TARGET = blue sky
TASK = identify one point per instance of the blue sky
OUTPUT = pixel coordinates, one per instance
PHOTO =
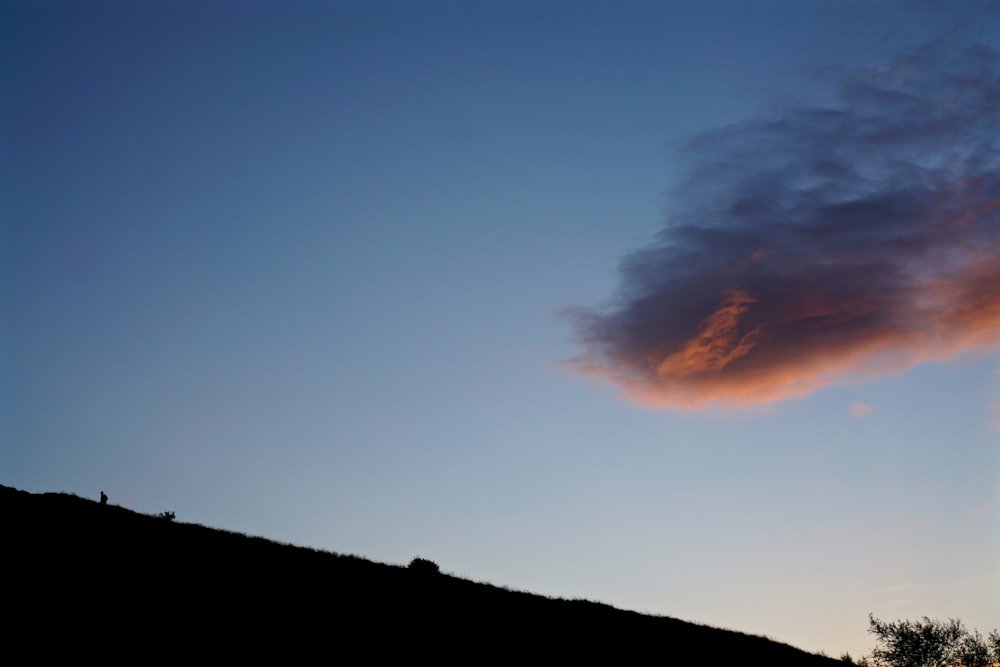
(315, 271)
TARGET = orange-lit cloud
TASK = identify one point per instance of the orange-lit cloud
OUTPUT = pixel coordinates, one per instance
(717, 344)
(819, 246)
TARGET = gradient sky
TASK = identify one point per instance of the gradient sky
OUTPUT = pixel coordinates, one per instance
(688, 307)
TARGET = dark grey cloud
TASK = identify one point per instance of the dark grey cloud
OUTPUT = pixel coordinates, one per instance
(825, 242)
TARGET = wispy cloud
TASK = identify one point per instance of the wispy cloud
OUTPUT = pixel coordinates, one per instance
(898, 588)
(821, 244)
(859, 410)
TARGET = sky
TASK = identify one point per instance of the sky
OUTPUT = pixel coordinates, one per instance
(692, 308)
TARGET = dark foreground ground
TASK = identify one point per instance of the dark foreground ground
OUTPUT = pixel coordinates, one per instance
(86, 581)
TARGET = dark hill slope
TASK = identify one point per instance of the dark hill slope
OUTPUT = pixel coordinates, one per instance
(102, 581)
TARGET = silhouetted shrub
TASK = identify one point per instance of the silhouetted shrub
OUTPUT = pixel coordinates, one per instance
(931, 643)
(169, 516)
(424, 566)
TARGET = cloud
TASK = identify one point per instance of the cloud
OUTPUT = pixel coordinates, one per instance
(824, 243)
(859, 410)
(898, 588)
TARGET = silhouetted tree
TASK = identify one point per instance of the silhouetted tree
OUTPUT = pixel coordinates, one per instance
(169, 516)
(931, 643)
(424, 566)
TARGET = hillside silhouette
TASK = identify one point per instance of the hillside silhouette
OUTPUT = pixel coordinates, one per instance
(91, 580)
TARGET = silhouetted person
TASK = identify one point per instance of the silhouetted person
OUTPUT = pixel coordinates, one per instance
(104, 498)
